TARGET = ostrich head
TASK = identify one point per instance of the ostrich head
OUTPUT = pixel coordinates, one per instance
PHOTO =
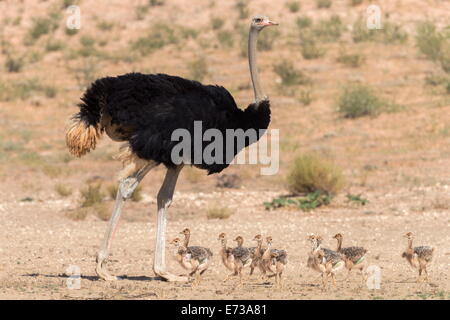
(409, 236)
(338, 236)
(186, 232)
(176, 242)
(259, 22)
(257, 238)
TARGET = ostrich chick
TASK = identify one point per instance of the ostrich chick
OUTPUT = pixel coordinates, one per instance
(242, 257)
(418, 257)
(324, 260)
(194, 259)
(354, 257)
(257, 254)
(274, 258)
(226, 255)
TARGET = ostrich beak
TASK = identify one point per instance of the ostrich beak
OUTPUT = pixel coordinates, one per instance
(270, 23)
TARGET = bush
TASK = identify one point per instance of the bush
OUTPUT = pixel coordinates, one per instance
(329, 30)
(293, 6)
(40, 27)
(429, 40)
(358, 101)
(310, 50)
(14, 64)
(356, 2)
(303, 22)
(323, 4)
(361, 33)
(63, 190)
(158, 37)
(217, 23)
(241, 6)
(311, 173)
(225, 38)
(198, 69)
(218, 213)
(289, 74)
(267, 38)
(354, 60)
(91, 195)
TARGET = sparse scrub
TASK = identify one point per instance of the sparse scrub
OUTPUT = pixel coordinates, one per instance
(105, 25)
(310, 50)
(323, 4)
(217, 23)
(293, 6)
(63, 190)
(304, 22)
(359, 100)
(198, 69)
(159, 36)
(40, 27)
(305, 97)
(91, 195)
(14, 64)
(389, 34)
(218, 213)
(241, 6)
(155, 3)
(328, 30)
(86, 73)
(77, 214)
(54, 45)
(353, 60)
(429, 41)
(312, 173)
(267, 39)
(22, 89)
(361, 33)
(102, 211)
(225, 38)
(356, 2)
(289, 74)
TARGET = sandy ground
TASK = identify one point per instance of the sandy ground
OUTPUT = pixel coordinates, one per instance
(39, 244)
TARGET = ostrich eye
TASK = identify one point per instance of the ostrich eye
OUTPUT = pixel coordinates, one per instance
(258, 20)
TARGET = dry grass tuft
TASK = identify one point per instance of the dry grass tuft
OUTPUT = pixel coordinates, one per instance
(218, 213)
(310, 173)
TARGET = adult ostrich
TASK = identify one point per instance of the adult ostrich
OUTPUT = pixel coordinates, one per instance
(143, 110)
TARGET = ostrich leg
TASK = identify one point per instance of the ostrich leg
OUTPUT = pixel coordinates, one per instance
(125, 190)
(164, 200)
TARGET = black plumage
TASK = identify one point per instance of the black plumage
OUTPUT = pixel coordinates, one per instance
(145, 109)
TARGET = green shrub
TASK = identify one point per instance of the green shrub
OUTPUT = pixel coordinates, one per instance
(225, 38)
(217, 23)
(312, 173)
(329, 30)
(91, 195)
(105, 25)
(358, 101)
(304, 22)
(310, 50)
(392, 33)
(354, 60)
(198, 69)
(361, 33)
(14, 64)
(40, 26)
(241, 6)
(159, 36)
(289, 74)
(267, 38)
(218, 213)
(323, 4)
(305, 97)
(54, 45)
(356, 2)
(293, 6)
(63, 190)
(429, 41)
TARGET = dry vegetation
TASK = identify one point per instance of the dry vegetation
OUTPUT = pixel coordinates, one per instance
(377, 102)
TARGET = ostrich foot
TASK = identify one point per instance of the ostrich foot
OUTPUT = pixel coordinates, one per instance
(171, 277)
(103, 273)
